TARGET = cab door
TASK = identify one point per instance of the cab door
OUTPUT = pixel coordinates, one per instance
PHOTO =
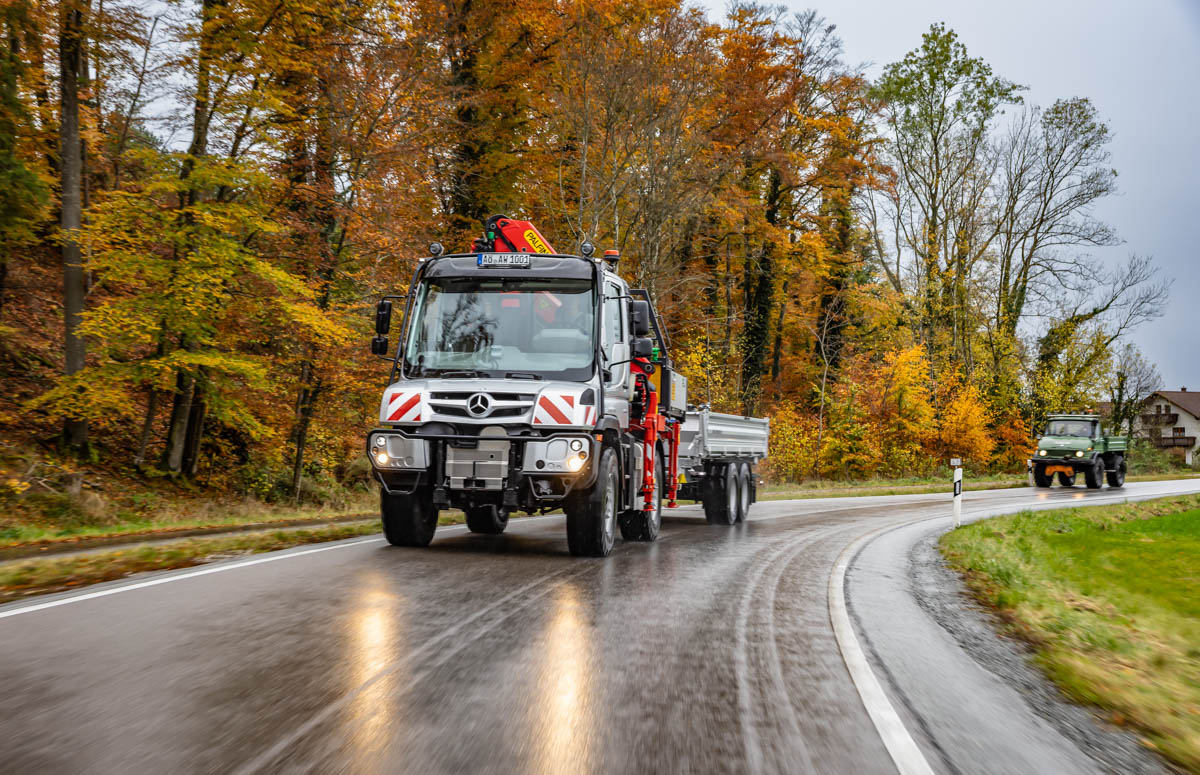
(615, 343)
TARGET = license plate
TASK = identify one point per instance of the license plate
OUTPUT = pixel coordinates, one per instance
(502, 259)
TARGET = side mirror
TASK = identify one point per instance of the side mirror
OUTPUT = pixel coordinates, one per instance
(383, 318)
(641, 347)
(379, 345)
(639, 317)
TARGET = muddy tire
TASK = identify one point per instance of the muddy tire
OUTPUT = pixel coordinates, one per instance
(592, 515)
(408, 520)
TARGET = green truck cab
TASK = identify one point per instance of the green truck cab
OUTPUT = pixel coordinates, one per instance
(1075, 443)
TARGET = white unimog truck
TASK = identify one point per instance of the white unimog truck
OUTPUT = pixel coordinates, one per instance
(529, 380)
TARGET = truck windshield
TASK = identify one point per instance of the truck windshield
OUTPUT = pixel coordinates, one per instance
(1081, 428)
(484, 327)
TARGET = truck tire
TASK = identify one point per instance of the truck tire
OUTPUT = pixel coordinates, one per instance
(1094, 476)
(721, 503)
(408, 520)
(592, 515)
(488, 519)
(1116, 477)
(1065, 480)
(1039, 475)
(638, 525)
(743, 492)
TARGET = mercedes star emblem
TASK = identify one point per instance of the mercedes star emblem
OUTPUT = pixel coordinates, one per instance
(479, 405)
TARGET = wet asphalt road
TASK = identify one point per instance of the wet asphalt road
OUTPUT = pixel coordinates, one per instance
(711, 650)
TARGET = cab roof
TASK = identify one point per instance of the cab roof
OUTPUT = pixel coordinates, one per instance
(541, 266)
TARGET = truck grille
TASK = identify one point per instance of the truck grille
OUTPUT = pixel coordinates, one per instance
(504, 405)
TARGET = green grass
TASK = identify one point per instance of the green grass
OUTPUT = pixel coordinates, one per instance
(20, 578)
(1110, 598)
(57, 526)
(915, 485)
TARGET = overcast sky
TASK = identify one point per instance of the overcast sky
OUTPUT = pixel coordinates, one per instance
(1139, 62)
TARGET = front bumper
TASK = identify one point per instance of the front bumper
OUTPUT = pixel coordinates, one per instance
(495, 466)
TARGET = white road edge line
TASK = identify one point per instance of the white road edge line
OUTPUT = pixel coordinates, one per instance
(905, 753)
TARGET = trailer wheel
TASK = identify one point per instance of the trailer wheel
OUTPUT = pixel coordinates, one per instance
(488, 519)
(1066, 480)
(1094, 476)
(1039, 475)
(743, 492)
(721, 503)
(1116, 477)
(638, 525)
(408, 520)
(592, 515)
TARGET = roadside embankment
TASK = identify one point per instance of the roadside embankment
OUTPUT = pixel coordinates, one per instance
(1109, 597)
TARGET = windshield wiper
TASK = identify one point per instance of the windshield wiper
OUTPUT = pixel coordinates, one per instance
(523, 375)
(454, 373)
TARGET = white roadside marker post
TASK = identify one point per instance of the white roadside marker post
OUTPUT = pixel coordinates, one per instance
(957, 463)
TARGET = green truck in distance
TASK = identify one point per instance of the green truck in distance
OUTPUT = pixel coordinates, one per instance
(1074, 443)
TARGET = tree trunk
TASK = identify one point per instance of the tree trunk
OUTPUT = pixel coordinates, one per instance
(181, 409)
(70, 58)
(147, 428)
(195, 429)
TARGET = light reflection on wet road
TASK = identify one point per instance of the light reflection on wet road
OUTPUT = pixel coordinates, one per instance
(709, 651)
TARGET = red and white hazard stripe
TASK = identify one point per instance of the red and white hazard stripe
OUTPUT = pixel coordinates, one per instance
(402, 406)
(562, 409)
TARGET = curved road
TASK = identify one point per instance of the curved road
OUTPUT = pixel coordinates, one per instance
(798, 642)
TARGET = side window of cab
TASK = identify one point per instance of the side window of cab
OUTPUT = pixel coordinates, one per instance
(614, 327)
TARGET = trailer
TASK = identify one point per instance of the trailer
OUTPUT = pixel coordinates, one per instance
(717, 455)
(526, 380)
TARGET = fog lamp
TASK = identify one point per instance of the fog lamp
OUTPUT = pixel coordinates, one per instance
(380, 441)
(576, 445)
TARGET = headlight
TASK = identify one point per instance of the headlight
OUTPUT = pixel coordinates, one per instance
(574, 464)
(381, 458)
(1079, 453)
(1041, 453)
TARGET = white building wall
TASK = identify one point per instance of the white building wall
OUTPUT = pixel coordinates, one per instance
(1190, 425)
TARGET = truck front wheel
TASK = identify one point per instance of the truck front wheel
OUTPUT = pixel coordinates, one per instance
(488, 519)
(408, 520)
(1066, 480)
(592, 515)
(1094, 476)
(1040, 478)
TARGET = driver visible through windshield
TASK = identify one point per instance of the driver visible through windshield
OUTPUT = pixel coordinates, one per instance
(498, 327)
(1081, 428)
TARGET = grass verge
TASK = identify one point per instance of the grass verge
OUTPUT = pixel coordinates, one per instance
(1109, 596)
(917, 486)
